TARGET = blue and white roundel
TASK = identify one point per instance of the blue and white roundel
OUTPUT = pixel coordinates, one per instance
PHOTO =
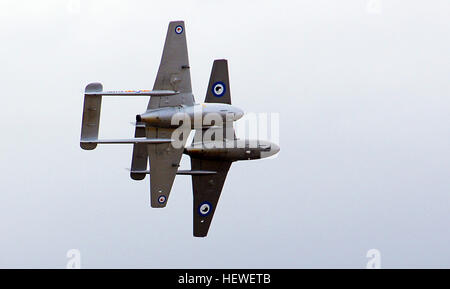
(219, 88)
(179, 29)
(162, 199)
(204, 209)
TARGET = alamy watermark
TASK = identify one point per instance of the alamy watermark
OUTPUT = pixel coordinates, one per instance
(374, 256)
(74, 256)
(221, 131)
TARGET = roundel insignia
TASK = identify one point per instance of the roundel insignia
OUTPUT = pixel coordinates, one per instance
(179, 29)
(162, 199)
(204, 209)
(219, 88)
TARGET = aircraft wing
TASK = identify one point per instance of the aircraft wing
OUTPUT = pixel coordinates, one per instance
(219, 83)
(172, 88)
(173, 73)
(164, 162)
(207, 189)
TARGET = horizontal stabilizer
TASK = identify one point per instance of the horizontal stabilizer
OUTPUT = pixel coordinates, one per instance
(180, 172)
(126, 141)
(134, 93)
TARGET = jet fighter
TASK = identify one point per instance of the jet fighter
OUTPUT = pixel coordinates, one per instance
(171, 95)
(161, 134)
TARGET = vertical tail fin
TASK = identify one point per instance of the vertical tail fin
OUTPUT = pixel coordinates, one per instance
(91, 115)
(219, 83)
(140, 157)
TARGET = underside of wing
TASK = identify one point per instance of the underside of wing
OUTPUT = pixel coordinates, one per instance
(173, 73)
(164, 162)
(207, 189)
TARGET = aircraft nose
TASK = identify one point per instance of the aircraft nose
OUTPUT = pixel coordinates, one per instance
(274, 149)
(238, 113)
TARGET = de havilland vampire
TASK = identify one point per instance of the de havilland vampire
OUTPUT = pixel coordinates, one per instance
(161, 134)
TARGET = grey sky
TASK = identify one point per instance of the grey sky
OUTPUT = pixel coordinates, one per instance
(363, 97)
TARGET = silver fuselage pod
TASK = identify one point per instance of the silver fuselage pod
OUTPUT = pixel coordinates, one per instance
(199, 115)
(232, 150)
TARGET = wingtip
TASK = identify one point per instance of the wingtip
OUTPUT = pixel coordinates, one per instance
(158, 206)
(176, 22)
(198, 235)
(137, 176)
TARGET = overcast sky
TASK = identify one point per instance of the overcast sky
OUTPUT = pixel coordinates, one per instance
(363, 93)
